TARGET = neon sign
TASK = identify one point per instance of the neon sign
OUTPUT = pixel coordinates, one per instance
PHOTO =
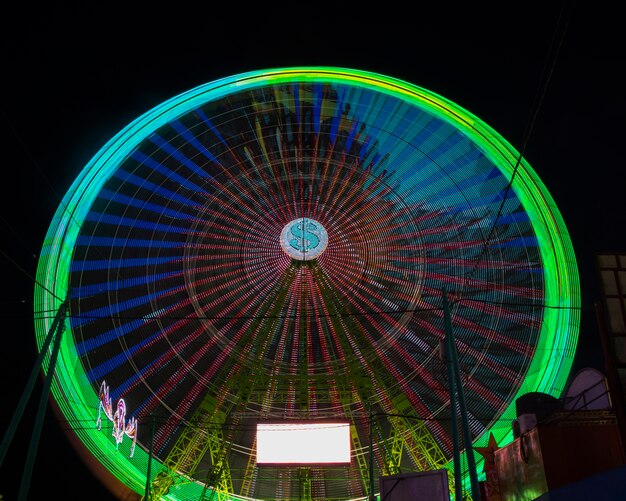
(303, 239)
(121, 427)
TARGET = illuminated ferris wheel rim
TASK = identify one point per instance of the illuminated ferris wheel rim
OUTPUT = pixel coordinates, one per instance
(556, 253)
(560, 276)
(525, 183)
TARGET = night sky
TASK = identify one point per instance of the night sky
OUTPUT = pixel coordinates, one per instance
(549, 77)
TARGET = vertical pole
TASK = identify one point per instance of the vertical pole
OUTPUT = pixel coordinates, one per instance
(149, 472)
(21, 406)
(304, 478)
(467, 438)
(458, 481)
(371, 459)
(41, 411)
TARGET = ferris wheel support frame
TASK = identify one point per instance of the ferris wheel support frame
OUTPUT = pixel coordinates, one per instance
(54, 335)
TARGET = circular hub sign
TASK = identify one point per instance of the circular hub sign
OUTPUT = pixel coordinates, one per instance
(303, 239)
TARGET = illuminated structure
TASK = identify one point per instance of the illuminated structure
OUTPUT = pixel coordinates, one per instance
(121, 427)
(182, 294)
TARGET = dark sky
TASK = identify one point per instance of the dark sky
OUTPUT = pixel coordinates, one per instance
(73, 76)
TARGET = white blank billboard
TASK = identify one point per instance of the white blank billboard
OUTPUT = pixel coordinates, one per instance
(303, 443)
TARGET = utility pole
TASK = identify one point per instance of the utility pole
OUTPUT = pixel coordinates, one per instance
(467, 438)
(458, 480)
(372, 496)
(149, 472)
(55, 329)
(58, 326)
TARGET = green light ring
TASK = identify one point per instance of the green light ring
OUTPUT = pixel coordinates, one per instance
(555, 347)
(550, 366)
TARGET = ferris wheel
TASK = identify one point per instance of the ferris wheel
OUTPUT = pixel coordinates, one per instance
(275, 246)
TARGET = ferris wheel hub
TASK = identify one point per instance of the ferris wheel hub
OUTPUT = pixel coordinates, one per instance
(303, 239)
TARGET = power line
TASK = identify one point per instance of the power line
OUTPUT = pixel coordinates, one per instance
(545, 78)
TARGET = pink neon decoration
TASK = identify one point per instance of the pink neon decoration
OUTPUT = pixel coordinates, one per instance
(120, 426)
